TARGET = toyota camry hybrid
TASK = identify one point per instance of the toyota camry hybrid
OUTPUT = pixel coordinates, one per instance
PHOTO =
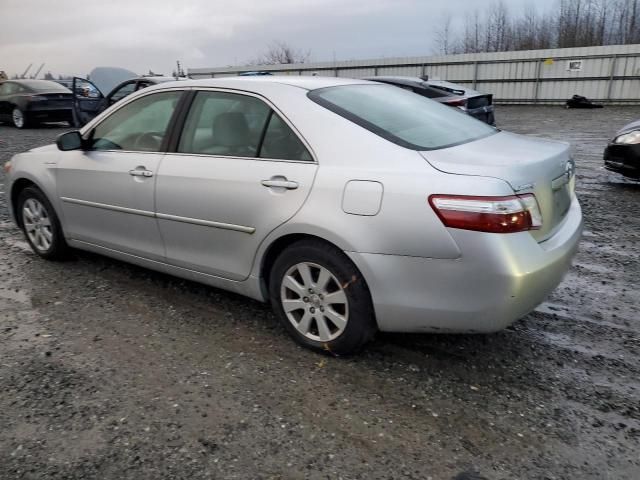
(351, 206)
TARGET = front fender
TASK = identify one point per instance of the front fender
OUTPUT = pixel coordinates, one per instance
(36, 168)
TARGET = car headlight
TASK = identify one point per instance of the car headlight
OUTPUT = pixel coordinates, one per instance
(7, 167)
(628, 138)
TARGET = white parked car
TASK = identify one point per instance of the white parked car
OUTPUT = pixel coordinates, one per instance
(351, 206)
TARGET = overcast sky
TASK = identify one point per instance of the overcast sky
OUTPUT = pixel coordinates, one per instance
(73, 36)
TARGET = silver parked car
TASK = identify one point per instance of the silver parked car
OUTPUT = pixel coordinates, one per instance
(351, 206)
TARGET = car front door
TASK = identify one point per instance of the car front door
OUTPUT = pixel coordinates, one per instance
(239, 172)
(88, 101)
(107, 190)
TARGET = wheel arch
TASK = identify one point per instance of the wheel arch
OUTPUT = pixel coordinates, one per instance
(279, 245)
(16, 188)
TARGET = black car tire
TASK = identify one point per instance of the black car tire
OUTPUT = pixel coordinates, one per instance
(19, 118)
(361, 324)
(58, 248)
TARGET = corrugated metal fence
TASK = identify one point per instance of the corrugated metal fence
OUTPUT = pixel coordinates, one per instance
(608, 74)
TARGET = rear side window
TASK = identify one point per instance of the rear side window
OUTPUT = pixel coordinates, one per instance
(235, 125)
(281, 143)
(406, 119)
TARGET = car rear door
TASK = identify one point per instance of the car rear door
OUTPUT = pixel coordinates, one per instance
(239, 171)
(107, 190)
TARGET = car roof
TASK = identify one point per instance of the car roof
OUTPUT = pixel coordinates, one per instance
(28, 82)
(256, 82)
(156, 79)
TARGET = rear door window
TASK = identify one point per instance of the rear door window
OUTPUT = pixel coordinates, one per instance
(222, 123)
(236, 125)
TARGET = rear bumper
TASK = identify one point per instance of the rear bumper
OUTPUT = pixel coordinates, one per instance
(623, 159)
(497, 280)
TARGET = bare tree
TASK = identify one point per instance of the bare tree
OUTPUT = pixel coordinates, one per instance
(443, 35)
(573, 23)
(473, 32)
(279, 53)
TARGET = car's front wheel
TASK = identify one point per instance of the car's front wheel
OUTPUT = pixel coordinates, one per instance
(19, 118)
(321, 298)
(40, 224)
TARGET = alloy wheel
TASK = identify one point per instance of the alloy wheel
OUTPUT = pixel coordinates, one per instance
(37, 224)
(18, 118)
(314, 302)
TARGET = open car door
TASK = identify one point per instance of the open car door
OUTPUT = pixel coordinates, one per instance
(88, 101)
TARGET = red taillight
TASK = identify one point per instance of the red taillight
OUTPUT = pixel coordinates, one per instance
(457, 103)
(517, 213)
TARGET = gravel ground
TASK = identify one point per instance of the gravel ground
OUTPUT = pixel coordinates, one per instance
(112, 371)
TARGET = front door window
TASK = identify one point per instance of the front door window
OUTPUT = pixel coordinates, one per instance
(139, 126)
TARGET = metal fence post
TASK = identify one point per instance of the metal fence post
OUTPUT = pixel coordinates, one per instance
(614, 60)
(537, 86)
(475, 74)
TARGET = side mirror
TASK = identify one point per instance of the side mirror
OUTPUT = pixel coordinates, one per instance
(70, 141)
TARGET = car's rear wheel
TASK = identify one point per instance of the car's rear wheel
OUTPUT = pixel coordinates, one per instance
(19, 118)
(321, 298)
(40, 224)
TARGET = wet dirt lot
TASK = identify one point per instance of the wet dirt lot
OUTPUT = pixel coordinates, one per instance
(112, 371)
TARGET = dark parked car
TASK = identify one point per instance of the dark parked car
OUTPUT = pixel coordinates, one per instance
(27, 102)
(622, 155)
(478, 105)
(89, 101)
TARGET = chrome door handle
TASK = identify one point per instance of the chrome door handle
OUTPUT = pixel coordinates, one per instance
(289, 185)
(140, 173)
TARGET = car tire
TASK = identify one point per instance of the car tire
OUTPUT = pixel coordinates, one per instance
(19, 118)
(41, 225)
(321, 298)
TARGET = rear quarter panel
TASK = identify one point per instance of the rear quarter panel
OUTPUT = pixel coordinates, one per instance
(405, 225)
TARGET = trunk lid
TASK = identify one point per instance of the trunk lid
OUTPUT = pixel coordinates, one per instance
(527, 164)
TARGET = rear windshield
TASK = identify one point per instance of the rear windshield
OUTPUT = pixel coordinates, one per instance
(402, 117)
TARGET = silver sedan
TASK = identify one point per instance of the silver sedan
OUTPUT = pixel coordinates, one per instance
(351, 206)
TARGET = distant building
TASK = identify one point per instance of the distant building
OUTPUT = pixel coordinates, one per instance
(3, 75)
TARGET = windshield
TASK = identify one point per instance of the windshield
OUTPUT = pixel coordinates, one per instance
(402, 117)
(44, 85)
